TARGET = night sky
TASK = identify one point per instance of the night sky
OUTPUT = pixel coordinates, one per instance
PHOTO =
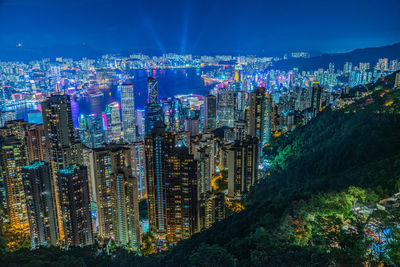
(197, 26)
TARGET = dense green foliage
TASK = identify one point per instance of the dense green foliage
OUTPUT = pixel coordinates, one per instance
(304, 212)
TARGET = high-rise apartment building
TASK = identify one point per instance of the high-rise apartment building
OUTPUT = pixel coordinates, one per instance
(12, 159)
(154, 114)
(113, 123)
(75, 206)
(91, 130)
(41, 205)
(139, 167)
(242, 168)
(210, 112)
(226, 107)
(62, 149)
(152, 86)
(172, 186)
(128, 112)
(116, 195)
(35, 143)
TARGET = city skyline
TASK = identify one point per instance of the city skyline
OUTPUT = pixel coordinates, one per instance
(199, 133)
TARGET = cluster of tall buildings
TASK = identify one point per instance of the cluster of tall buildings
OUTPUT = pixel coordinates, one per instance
(186, 156)
(63, 192)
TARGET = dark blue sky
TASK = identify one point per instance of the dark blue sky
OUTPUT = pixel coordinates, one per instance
(198, 26)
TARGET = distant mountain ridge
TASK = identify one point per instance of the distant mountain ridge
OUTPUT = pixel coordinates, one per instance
(356, 56)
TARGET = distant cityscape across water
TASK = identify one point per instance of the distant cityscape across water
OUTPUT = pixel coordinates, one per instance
(171, 82)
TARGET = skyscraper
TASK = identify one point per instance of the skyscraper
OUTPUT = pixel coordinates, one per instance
(35, 143)
(172, 187)
(210, 112)
(226, 107)
(192, 126)
(316, 92)
(205, 151)
(180, 194)
(240, 130)
(91, 130)
(128, 112)
(153, 114)
(116, 195)
(59, 132)
(125, 210)
(267, 120)
(211, 209)
(75, 206)
(242, 168)
(156, 145)
(256, 116)
(139, 167)
(152, 86)
(62, 149)
(40, 202)
(114, 125)
(12, 159)
(140, 117)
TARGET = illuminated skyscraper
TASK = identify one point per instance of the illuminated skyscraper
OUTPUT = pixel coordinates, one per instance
(12, 159)
(316, 92)
(210, 112)
(128, 112)
(153, 115)
(240, 130)
(91, 130)
(40, 202)
(260, 117)
(140, 122)
(267, 119)
(139, 167)
(152, 86)
(172, 187)
(238, 73)
(180, 194)
(59, 132)
(205, 151)
(116, 195)
(192, 126)
(226, 108)
(18, 128)
(75, 206)
(114, 125)
(242, 167)
(156, 146)
(35, 143)
(62, 148)
(211, 209)
(168, 112)
(125, 210)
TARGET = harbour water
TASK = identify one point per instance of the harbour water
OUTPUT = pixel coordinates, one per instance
(170, 82)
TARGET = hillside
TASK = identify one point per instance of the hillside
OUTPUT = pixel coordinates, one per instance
(356, 56)
(358, 146)
(308, 211)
